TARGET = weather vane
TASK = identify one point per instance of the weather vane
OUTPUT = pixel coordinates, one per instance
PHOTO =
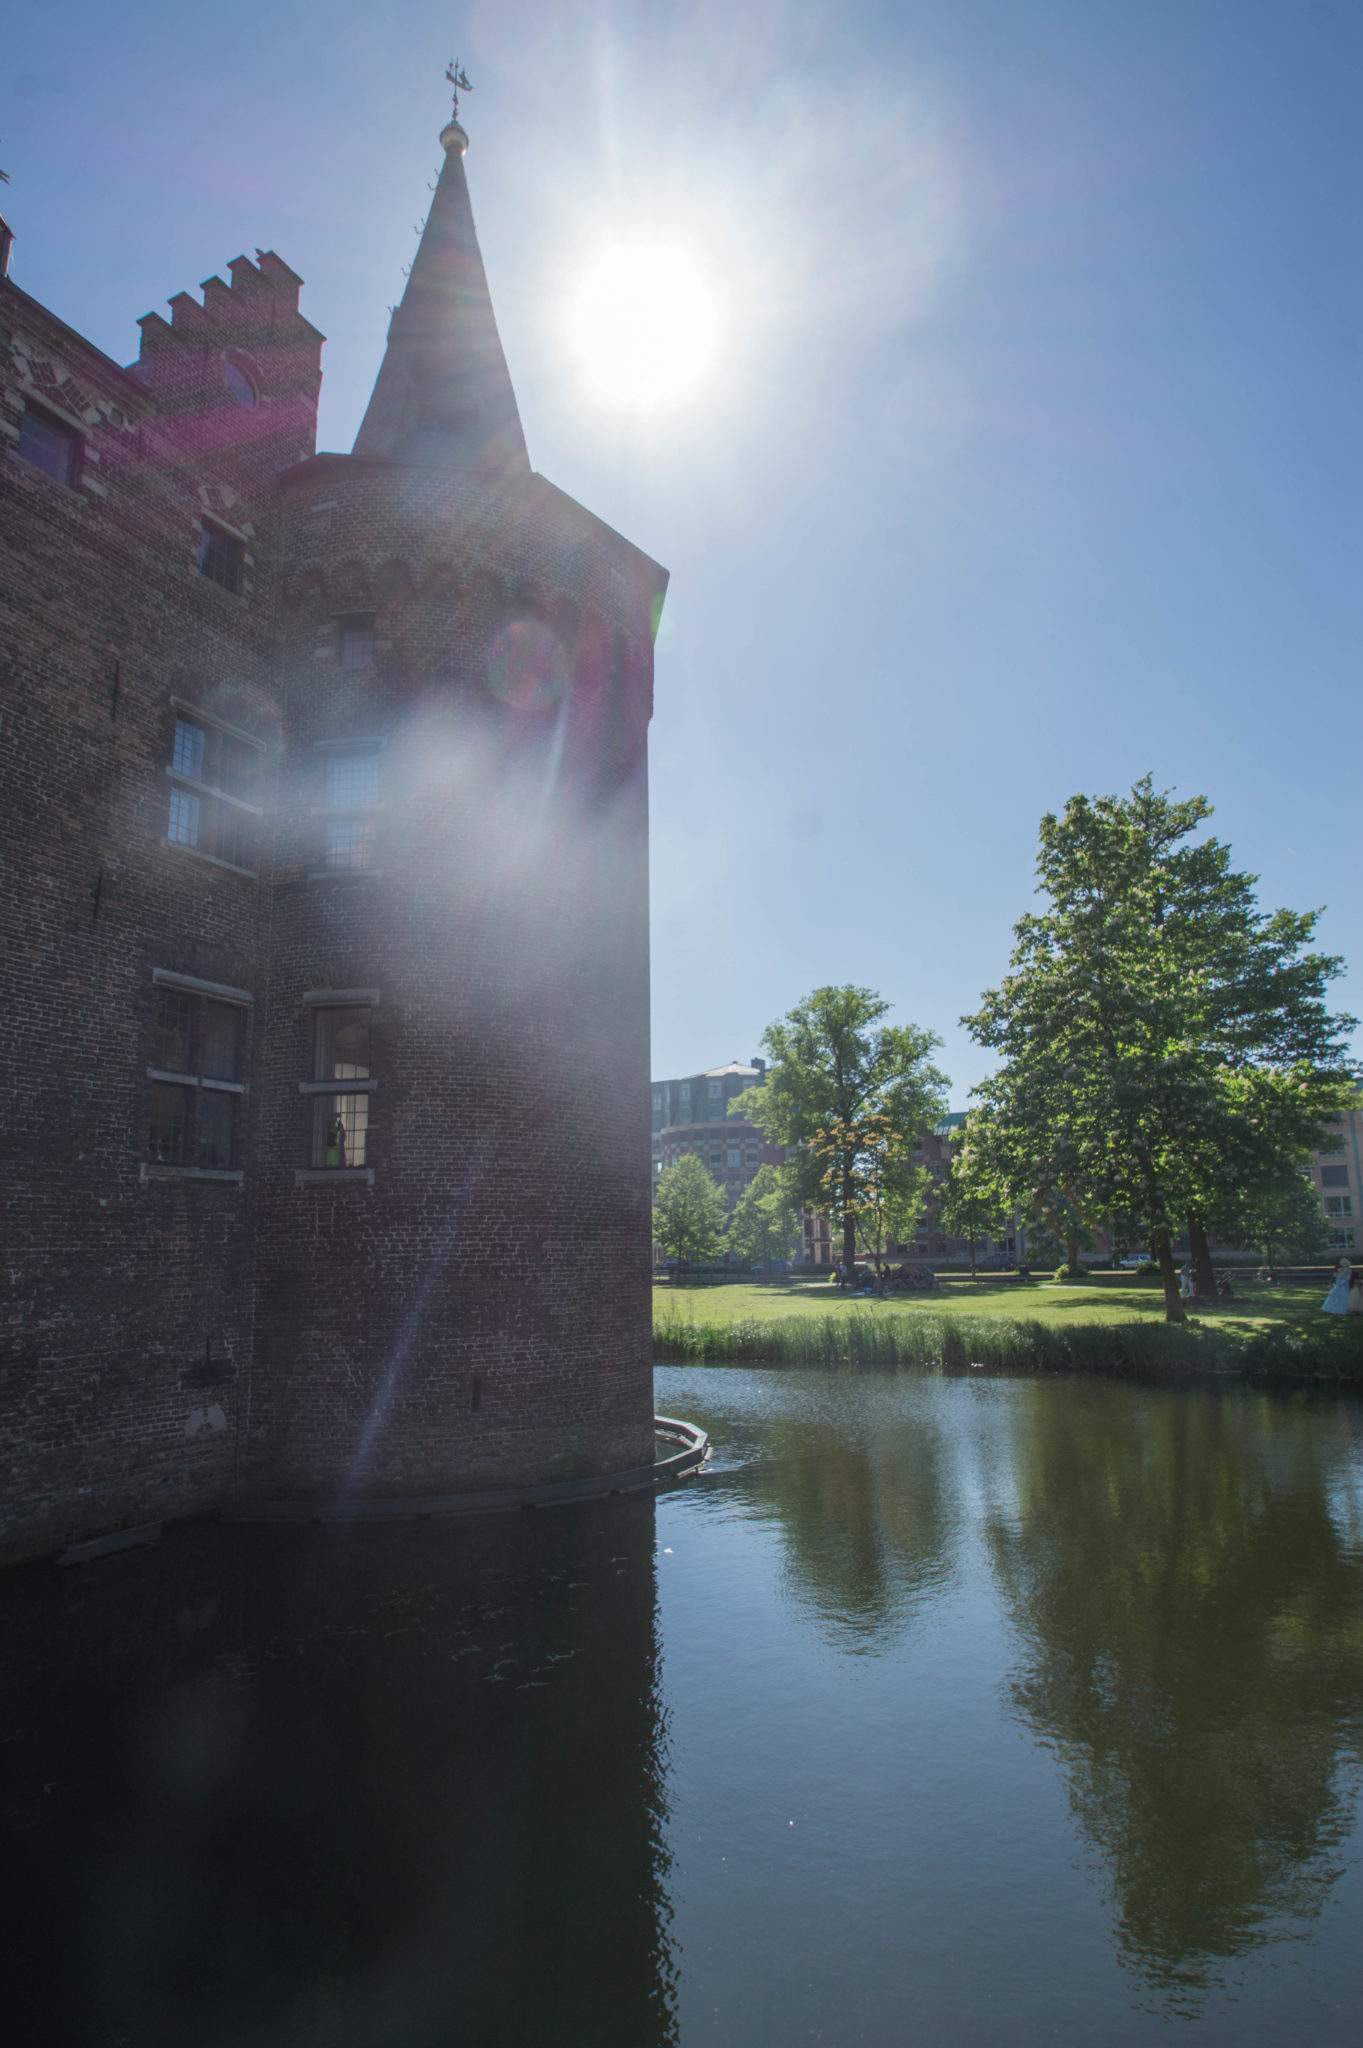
(459, 79)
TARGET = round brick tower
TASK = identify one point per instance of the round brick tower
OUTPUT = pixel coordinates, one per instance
(454, 1212)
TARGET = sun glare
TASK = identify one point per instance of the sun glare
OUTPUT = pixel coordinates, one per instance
(646, 326)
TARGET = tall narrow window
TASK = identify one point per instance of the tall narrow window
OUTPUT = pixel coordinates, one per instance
(222, 556)
(195, 1072)
(351, 802)
(212, 771)
(49, 444)
(340, 1120)
(355, 642)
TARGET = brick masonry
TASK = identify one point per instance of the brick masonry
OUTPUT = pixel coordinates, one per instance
(473, 1308)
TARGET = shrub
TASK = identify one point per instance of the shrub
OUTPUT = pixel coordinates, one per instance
(1068, 1272)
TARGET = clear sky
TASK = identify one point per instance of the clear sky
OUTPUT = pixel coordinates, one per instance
(1029, 455)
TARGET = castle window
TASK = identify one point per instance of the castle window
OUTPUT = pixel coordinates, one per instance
(240, 384)
(222, 556)
(340, 1115)
(195, 1075)
(50, 445)
(352, 779)
(349, 844)
(350, 837)
(356, 641)
(211, 769)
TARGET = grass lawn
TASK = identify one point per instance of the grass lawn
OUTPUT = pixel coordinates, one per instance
(1105, 1298)
(1108, 1323)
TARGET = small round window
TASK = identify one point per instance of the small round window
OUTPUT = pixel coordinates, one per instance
(240, 384)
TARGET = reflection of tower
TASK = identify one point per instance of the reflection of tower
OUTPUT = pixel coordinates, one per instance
(390, 1785)
(455, 1215)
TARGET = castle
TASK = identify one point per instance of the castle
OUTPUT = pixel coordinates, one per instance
(324, 918)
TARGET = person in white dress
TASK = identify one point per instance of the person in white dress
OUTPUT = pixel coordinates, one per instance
(1336, 1302)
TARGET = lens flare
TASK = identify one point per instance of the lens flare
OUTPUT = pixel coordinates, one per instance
(527, 667)
(646, 325)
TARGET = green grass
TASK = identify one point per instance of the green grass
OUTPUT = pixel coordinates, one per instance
(1107, 1324)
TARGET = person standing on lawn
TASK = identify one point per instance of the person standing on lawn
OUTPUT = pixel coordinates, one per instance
(1343, 1291)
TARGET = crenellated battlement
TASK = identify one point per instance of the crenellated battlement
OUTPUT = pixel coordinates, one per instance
(261, 295)
(235, 375)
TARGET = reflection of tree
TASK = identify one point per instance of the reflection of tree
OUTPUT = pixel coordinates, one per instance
(1193, 1621)
(868, 1524)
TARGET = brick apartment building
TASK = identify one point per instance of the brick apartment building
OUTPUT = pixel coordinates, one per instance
(1337, 1176)
(324, 915)
(692, 1115)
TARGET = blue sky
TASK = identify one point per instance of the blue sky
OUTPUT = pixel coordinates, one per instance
(1032, 463)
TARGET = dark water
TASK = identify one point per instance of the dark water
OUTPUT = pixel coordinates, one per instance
(943, 1711)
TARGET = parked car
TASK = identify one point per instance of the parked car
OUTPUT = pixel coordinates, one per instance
(1136, 1259)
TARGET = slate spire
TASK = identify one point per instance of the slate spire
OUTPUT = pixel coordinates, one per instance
(443, 398)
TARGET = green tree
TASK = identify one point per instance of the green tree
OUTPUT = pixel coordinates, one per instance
(969, 1201)
(833, 1063)
(869, 1175)
(1163, 1039)
(1281, 1219)
(765, 1220)
(688, 1211)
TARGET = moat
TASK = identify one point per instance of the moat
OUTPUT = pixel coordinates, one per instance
(960, 1710)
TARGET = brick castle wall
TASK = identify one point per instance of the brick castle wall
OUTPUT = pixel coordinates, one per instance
(477, 1312)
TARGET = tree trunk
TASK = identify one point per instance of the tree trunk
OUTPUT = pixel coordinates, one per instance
(849, 1229)
(1168, 1272)
(1071, 1251)
(972, 1259)
(1204, 1276)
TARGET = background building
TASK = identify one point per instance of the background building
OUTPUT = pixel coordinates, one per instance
(691, 1115)
(1337, 1175)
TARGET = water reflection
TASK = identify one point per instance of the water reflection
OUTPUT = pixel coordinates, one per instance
(1185, 1575)
(868, 1519)
(391, 1785)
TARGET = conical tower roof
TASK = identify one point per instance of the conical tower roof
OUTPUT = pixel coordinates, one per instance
(443, 398)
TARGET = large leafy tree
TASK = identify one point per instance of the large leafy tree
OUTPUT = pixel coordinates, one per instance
(765, 1220)
(969, 1201)
(869, 1177)
(1163, 1038)
(833, 1063)
(1281, 1219)
(689, 1214)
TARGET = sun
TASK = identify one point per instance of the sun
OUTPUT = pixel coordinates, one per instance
(646, 326)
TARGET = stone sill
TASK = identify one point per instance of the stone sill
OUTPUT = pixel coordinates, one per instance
(152, 1171)
(318, 1176)
(346, 875)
